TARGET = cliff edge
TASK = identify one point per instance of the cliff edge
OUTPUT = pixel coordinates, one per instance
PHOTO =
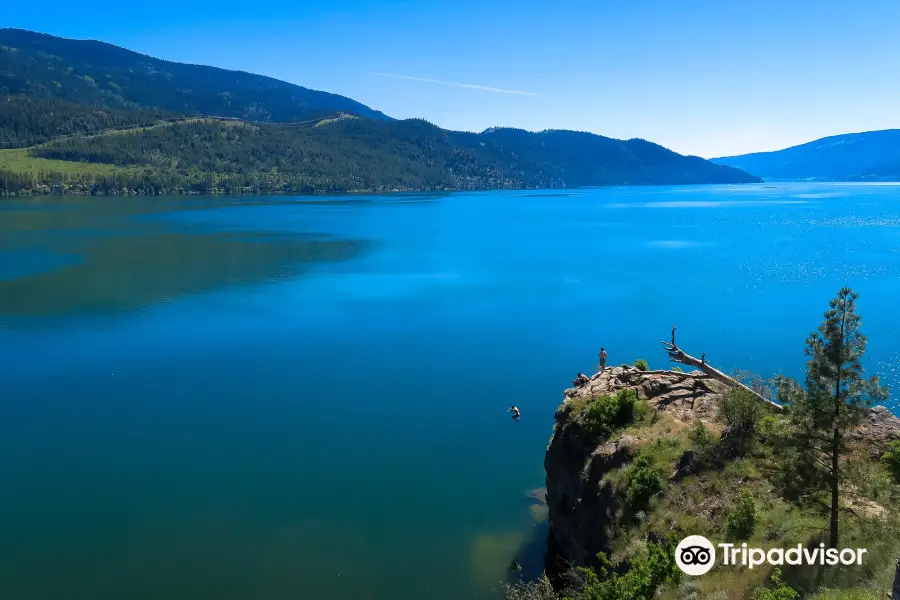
(592, 471)
(581, 504)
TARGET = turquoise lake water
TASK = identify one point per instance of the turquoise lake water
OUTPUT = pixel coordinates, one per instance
(306, 397)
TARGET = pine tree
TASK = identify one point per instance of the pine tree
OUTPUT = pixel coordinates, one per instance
(824, 415)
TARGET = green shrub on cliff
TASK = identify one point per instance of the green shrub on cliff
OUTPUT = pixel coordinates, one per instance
(892, 458)
(778, 590)
(641, 365)
(643, 480)
(742, 413)
(771, 428)
(652, 567)
(606, 414)
(701, 437)
(741, 521)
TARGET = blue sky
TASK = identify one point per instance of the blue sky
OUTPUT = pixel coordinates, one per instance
(711, 78)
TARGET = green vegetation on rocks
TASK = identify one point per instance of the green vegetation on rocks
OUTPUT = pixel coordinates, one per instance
(741, 521)
(701, 437)
(651, 567)
(892, 459)
(643, 479)
(777, 589)
(601, 416)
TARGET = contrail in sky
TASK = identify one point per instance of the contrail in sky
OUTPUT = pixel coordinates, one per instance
(454, 84)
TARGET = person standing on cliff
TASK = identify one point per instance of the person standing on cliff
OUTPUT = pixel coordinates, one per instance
(602, 359)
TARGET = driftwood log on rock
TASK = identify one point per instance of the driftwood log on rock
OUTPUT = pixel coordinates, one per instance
(678, 355)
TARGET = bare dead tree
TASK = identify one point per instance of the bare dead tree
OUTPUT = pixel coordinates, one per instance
(678, 355)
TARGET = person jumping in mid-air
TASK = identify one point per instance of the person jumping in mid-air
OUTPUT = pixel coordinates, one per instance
(673, 335)
(602, 359)
(515, 413)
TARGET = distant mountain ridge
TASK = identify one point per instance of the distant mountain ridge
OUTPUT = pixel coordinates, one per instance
(43, 66)
(583, 159)
(89, 117)
(865, 156)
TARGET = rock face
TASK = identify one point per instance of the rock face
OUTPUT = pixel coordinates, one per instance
(581, 505)
(684, 393)
(878, 429)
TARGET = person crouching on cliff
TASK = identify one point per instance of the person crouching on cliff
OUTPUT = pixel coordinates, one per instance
(580, 380)
(515, 413)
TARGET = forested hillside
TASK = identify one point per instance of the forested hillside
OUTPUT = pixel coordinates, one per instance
(28, 121)
(354, 154)
(95, 73)
(84, 117)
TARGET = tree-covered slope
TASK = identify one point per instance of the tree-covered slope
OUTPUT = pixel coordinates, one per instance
(28, 121)
(42, 66)
(868, 156)
(355, 154)
(582, 159)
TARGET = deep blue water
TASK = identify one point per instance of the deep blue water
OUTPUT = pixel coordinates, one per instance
(306, 397)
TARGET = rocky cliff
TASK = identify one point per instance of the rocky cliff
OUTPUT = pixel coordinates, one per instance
(582, 503)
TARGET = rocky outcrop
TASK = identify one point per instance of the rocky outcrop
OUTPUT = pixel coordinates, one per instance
(879, 428)
(581, 504)
(685, 394)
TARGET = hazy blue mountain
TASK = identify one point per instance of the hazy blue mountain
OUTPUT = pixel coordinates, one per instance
(867, 156)
(43, 66)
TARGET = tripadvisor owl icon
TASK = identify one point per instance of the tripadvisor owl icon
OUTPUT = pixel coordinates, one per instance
(695, 555)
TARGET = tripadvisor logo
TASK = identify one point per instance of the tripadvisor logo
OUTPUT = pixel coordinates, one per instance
(696, 555)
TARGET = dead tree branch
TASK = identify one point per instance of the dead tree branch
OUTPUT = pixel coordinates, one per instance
(678, 355)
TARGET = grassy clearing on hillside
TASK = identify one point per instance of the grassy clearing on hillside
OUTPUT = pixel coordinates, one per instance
(170, 123)
(20, 161)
